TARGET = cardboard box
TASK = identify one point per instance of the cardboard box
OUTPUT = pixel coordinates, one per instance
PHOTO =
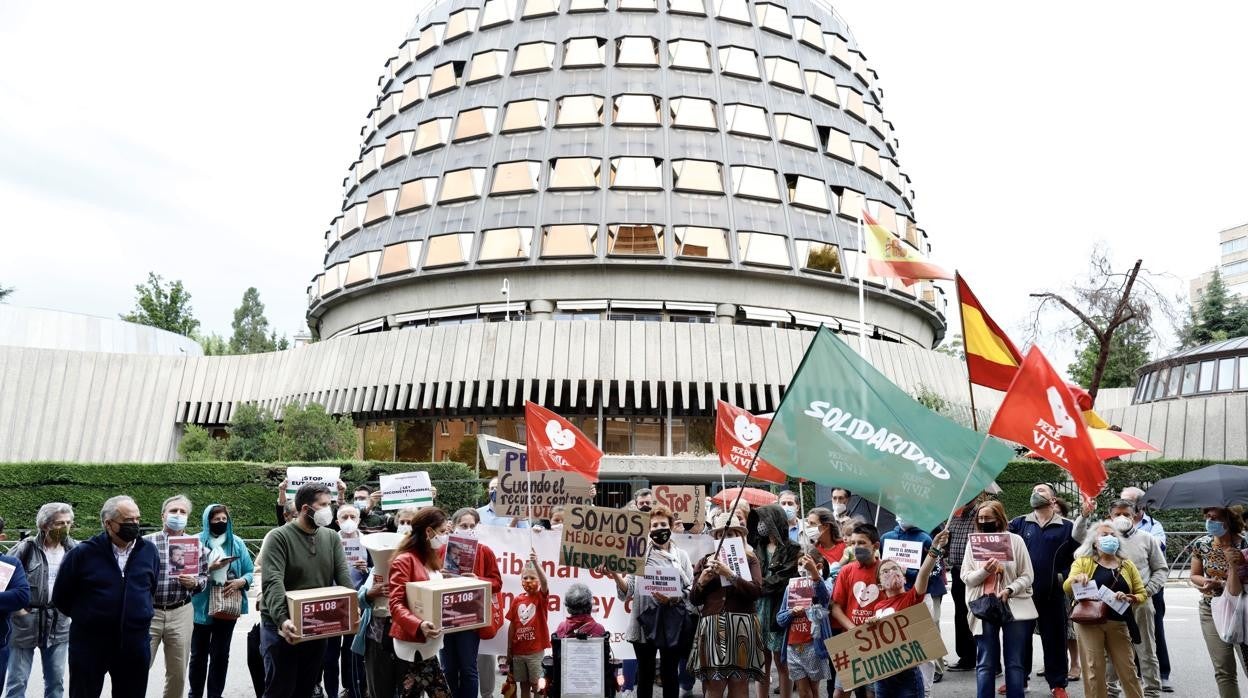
(453, 604)
(324, 612)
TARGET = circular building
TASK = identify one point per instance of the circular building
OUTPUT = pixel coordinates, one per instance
(1220, 367)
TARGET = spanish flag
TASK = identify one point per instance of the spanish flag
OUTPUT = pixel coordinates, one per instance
(887, 255)
(991, 358)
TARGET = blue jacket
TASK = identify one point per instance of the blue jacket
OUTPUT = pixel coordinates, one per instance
(1052, 549)
(15, 597)
(242, 568)
(103, 605)
(935, 583)
(821, 627)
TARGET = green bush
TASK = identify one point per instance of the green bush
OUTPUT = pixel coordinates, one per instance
(249, 489)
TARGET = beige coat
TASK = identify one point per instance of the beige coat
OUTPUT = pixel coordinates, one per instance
(1016, 575)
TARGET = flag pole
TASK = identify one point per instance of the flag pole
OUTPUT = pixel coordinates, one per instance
(967, 480)
(862, 303)
(970, 387)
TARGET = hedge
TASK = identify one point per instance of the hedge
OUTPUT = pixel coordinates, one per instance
(249, 489)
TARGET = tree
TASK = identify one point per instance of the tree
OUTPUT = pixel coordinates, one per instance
(198, 445)
(309, 433)
(253, 435)
(251, 327)
(213, 344)
(5, 291)
(167, 307)
(1128, 351)
(1215, 316)
(953, 346)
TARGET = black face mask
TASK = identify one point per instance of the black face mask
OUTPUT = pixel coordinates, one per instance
(217, 528)
(989, 527)
(864, 556)
(644, 507)
(661, 535)
(128, 531)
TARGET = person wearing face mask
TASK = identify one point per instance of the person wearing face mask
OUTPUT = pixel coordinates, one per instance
(417, 641)
(840, 504)
(489, 518)
(788, 502)
(210, 640)
(856, 587)
(1101, 560)
(368, 504)
(1143, 550)
(41, 626)
(656, 622)
(1212, 555)
(175, 618)
(643, 499)
(728, 620)
(825, 538)
(896, 595)
(777, 556)
(340, 663)
(961, 525)
(1150, 525)
(105, 586)
(935, 586)
(460, 651)
(303, 554)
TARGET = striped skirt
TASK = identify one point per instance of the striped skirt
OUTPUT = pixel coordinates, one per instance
(727, 647)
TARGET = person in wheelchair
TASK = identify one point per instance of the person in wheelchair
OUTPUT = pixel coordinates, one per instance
(580, 624)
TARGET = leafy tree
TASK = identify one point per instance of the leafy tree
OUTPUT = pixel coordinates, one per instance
(213, 344)
(165, 306)
(5, 291)
(953, 346)
(198, 445)
(251, 327)
(253, 435)
(309, 433)
(1128, 351)
(1215, 316)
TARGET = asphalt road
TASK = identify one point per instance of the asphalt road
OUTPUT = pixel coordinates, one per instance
(1191, 675)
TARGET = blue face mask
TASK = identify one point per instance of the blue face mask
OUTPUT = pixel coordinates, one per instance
(1215, 528)
(176, 522)
(1107, 544)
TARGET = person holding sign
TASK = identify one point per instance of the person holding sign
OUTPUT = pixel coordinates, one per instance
(657, 619)
(417, 641)
(728, 645)
(528, 633)
(908, 545)
(1010, 581)
(1102, 562)
(803, 613)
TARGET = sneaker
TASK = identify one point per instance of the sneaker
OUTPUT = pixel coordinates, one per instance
(1059, 692)
(938, 677)
(960, 666)
(1166, 687)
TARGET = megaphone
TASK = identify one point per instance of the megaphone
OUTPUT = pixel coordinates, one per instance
(381, 547)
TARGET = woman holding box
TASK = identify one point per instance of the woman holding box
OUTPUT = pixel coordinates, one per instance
(459, 650)
(417, 641)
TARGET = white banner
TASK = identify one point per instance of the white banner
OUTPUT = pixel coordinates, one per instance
(511, 547)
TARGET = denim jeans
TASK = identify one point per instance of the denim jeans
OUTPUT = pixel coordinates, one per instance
(907, 684)
(53, 659)
(1008, 641)
(459, 661)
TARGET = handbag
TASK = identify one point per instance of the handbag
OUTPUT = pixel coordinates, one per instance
(496, 618)
(1228, 618)
(1090, 612)
(223, 607)
(989, 609)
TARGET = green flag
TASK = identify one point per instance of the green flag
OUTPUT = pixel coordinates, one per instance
(842, 423)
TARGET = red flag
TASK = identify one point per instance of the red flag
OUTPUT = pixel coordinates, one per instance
(552, 443)
(991, 358)
(737, 436)
(1040, 413)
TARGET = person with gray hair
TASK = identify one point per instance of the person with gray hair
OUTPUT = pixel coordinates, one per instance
(1148, 524)
(105, 586)
(174, 621)
(41, 626)
(1143, 550)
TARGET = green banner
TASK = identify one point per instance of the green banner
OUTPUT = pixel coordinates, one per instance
(842, 423)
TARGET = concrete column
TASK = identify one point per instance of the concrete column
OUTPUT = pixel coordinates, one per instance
(725, 314)
(541, 309)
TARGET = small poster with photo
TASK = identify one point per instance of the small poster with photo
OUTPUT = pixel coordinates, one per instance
(461, 555)
(991, 546)
(801, 593)
(184, 554)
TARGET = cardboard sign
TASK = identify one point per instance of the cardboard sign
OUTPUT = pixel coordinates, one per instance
(551, 488)
(801, 593)
(582, 670)
(659, 579)
(687, 502)
(461, 555)
(908, 554)
(406, 489)
(451, 603)
(599, 536)
(183, 555)
(323, 612)
(732, 554)
(297, 476)
(889, 646)
(991, 546)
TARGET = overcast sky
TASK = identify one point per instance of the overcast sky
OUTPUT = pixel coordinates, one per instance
(208, 142)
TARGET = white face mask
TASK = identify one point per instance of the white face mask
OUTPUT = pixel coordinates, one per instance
(1123, 524)
(403, 529)
(439, 541)
(838, 508)
(466, 532)
(812, 533)
(348, 525)
(323, 517)
(556, 527)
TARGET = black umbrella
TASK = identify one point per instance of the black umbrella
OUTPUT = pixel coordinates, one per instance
(1218, 485)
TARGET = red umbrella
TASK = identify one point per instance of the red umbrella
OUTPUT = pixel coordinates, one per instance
(750, 495)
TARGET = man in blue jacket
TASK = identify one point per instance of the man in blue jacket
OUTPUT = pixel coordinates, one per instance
(15, 597)
(105, 585)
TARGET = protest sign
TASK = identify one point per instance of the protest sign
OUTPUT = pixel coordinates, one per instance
(461, 555)
(183, 556)
(406, 489)
(801, 593)
(599, 536)
(659, 579)
(297, 476)
(551, 488)
(732, 554)
(582, 671)
(687, 502)
(1088, 590)
(353, 549)
(908, 554)
(891, 645)
(991, 546)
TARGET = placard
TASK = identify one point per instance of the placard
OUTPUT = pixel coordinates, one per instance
(183, 556)
(451, 603)
(406, 489)
(1085, 591)
(299, 475)
(991, 546)
(732, 554)
(323, 612)
(892, 644)
(353, 549)
(6, 574)
(659, 579)
(461, 555)
(599, 536)
(551, 488)
(687, 502)
(908, 554)
(1110, 597)
(801, 593)
(582, 668)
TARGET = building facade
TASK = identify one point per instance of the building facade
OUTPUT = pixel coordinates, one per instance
(1233, 249)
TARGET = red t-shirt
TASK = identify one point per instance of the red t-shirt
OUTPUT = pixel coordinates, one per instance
(856, 592)
(529, 631)
(900, 602)
(799, 630)
(834, 554)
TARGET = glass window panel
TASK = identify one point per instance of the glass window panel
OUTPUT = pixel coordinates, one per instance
(852, 99)
(539, 8)
(1176, 378)
(837, 144)
(1206, 376)
(636, 5)
(688, 54)
(414, 90)
(379, 205)
(569, 240)
(475, 123)
(784, 72)
(702, 243)
(868, 158)
(819, 256)
(429, 39)
(462, 185)
(636, 110)
(807, 192)
(637, 51)
(497, 12)
(641, 240)
(733, 10)
(587, 6)
(809, 32)
(446, 77)
(416, 194)
(1243, 372)
(1226, 374)
(774, 18)
(461, 23)
(746, 120)
(850, 202)
(754, 183)
(579, 110)
(636, 173)
(616, 436)
(505, 243)
(575, 173)
(1159, 384)
(360, 268)
(585, 52)
(693, 113)
(399, 258)
(432, 134)
(1190, 371)
(647, 436)
(516, 177)
(525, 115)
(379, 441)
(397, 147)
(823, 87)
(687, 7)
(698, 176)
(763, 248)
(443, 250)
(487, 65)
(534, 57)
(798, 131)
(739, 62)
